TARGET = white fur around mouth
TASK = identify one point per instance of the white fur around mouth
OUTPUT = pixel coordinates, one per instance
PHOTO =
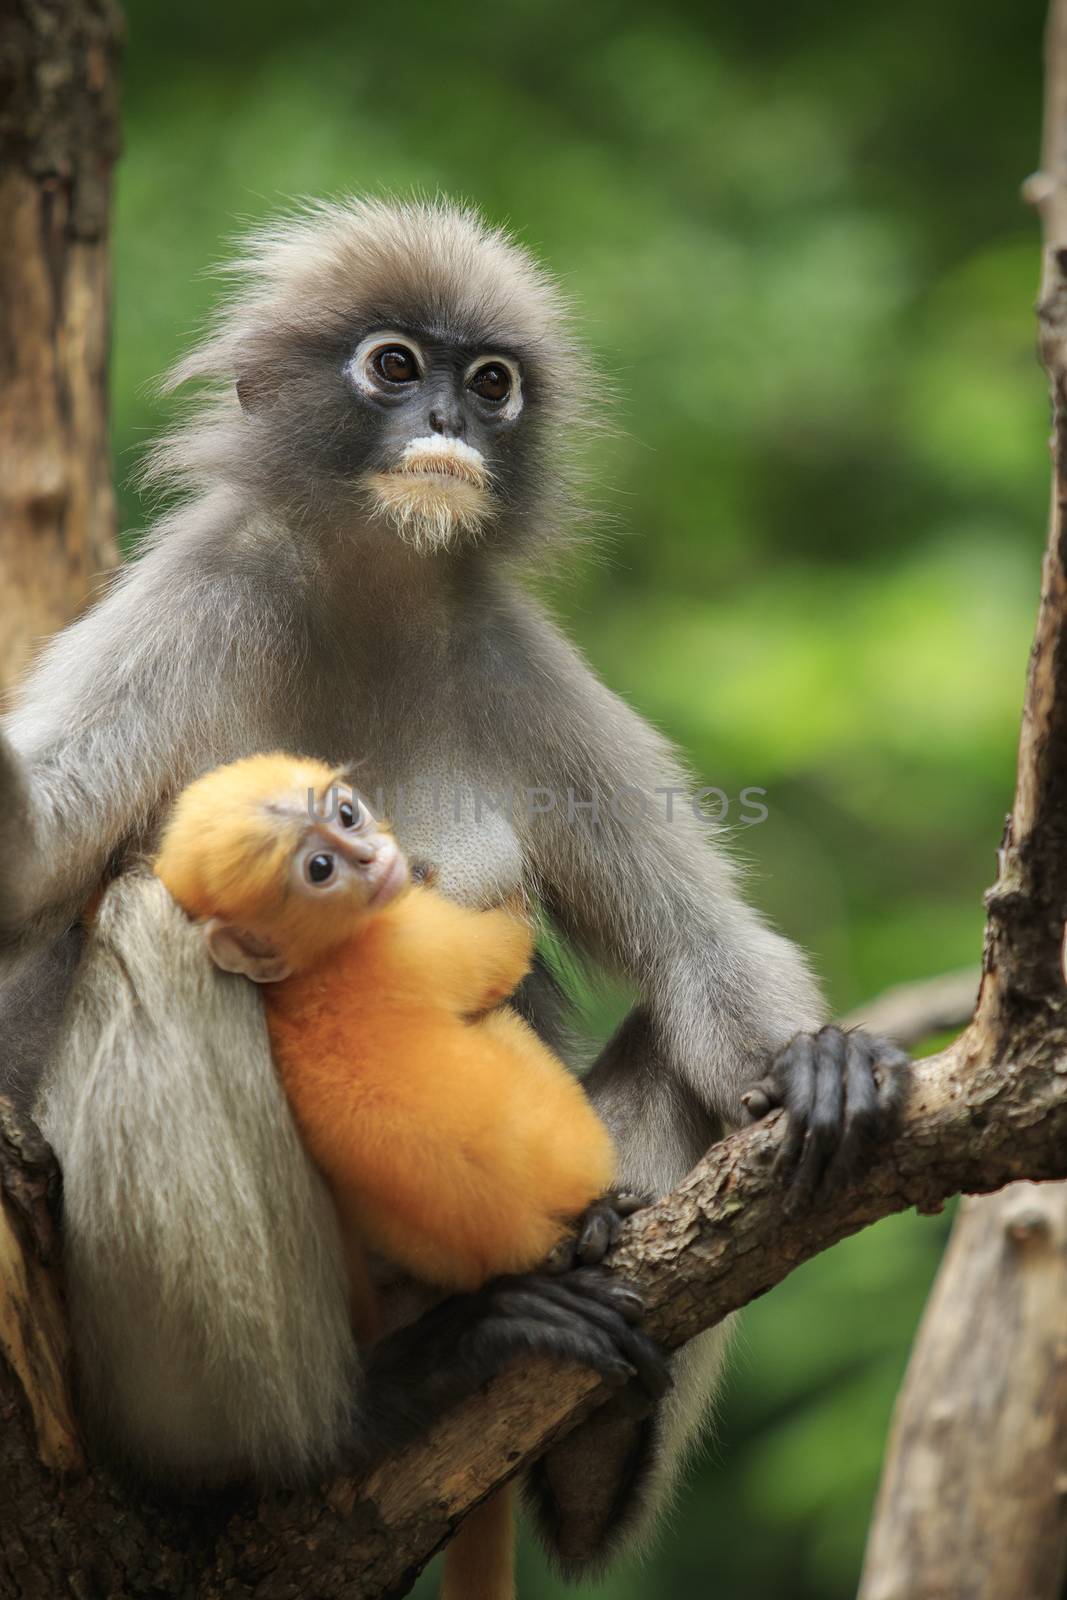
(440, 456)
(438, 490)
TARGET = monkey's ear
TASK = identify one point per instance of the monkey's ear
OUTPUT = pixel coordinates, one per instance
(256, 384)
(254, 392)
(236, 950)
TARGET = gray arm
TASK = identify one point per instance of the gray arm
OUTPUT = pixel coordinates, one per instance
(122, 708)
(726, 1008)
(650, 895)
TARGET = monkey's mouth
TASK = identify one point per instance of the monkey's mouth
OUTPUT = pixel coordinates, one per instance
(392, 882)
(437, 490)
(436, 456)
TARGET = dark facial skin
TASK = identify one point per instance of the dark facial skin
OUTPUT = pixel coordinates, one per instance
(419, 386)
(332, 411)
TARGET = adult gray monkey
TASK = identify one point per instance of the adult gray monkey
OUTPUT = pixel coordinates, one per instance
(394, 395)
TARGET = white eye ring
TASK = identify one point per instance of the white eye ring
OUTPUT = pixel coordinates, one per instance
(358, 368)
(513, 404)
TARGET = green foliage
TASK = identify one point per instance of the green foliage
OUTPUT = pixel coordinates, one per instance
(795, 238)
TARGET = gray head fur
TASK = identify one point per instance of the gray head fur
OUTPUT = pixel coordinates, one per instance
(305, 291)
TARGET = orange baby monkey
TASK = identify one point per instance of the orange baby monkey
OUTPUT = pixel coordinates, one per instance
(455, 1143)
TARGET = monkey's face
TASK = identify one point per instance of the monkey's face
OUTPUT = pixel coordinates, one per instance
(404, 371)
(442, 419)
(348, 864)
(280, 862)
(435, 436)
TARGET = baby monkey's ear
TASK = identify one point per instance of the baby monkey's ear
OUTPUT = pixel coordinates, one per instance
(236, 950)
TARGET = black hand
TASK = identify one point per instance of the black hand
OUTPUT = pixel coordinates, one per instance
(596, 1230)
(842, 1092)
(418, 1373)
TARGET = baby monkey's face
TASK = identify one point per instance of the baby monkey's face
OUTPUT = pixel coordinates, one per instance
(347, 855)
(278, 860)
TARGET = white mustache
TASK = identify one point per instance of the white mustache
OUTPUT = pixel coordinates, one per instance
(435, 452)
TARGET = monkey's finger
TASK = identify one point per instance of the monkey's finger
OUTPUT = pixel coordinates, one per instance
(795, 1069)
(877, 1087)
(561, 1341)
(614, 1314)
(525, 1322)
(652, 1364)
(892, 1075)
(600, 1226)
(763, 1098)
(586, 1286)
(599, 1230)
(626, 1202)
(532, 1303)
(862, 1113)
(649, 1362)
(563, 1256)
(606, 1314)
(823, 1135)
(612, 1292)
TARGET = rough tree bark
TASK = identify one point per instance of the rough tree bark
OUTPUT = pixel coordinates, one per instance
(973, 1499)
(991, 1109)
(59, 136)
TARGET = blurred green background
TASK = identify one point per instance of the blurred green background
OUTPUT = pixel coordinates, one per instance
(794, 234)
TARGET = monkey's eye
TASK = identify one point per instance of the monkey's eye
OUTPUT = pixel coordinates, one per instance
(320, 868)
(492, 382)
(350, 813)
(395, 363)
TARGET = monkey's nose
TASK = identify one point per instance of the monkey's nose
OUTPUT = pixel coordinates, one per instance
(447, 420)
(361, 851)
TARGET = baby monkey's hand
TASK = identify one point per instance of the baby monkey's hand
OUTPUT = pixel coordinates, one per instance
(596, 1230)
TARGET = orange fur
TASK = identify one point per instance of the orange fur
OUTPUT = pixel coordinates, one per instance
(453, 1140)
(461, 1148)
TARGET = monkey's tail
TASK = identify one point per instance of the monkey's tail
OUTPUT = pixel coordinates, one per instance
(480, 1561)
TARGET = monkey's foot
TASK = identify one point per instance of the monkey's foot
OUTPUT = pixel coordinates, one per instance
(423, 1370)
(842, 1091)
(596, 1230)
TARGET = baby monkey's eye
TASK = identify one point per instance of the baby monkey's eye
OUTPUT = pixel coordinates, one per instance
(320, 868)
(395, 363)
(350, 813)
(492, 382)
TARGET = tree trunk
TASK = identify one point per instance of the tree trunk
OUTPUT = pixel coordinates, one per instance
(58, 142)
(973, 1498)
